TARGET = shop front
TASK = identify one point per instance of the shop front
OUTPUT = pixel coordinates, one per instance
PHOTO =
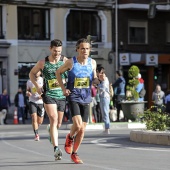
(154, 68)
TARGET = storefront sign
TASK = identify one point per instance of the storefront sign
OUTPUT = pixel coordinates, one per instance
(134, 58)
(151, 59)
(124, 59)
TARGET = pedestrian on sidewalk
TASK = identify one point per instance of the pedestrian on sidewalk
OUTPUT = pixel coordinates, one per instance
(98, 109)
(36, 108)
(52, 95)
(119, 92)
(104, 95)
(158, 98)
(81, 72)
(94, 102)
(167, 102)
(20, 103)
(5, 103)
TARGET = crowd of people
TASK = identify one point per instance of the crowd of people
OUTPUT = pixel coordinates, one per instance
(73, 88)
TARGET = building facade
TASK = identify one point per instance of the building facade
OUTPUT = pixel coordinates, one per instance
(28, 26)
(145, 42)
(125, 36)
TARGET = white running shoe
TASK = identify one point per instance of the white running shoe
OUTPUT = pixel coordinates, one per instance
(58, 154)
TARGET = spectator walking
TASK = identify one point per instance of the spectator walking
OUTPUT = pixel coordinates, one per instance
(20, 103)
(94, 102)
(81, 72)
(104, 95)
(36, 108)
(98, 110)
(27, 107)
(167, 102)
(52, 95)
(5, 103)
(158, 97)
(140, 88)
(119, 92)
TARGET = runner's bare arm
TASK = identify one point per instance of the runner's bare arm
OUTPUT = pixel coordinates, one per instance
(65, 67)
(32, 75)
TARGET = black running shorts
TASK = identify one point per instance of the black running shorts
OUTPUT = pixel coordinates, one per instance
(60, 103)
(36, 108)
(79, 109)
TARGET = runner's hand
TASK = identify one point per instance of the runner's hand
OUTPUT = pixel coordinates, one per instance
(66, 92)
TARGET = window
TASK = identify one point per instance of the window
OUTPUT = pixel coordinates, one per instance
(33, 23)
(83, 23)
(137, 32)
(1, 30)
(168, 32)
(23, 73)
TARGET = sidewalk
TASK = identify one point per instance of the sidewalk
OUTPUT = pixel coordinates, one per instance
(137, 134)
(91, 126)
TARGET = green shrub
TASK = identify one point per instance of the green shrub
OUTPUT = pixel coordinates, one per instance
(155, 120)
(132, 83)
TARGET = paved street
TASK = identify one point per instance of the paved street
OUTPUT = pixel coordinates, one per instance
(19, 151)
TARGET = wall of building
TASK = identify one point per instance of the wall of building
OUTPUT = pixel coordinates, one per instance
(30, 51)
(10, 23)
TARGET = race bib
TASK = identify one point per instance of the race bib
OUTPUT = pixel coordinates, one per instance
(52, 84)
(34, 90)
(81, 82)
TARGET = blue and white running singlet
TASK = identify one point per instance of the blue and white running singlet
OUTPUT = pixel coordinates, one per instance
(79, 81)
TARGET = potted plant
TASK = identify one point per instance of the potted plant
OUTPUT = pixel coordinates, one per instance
(156, 120)
(131, 93)
(131, 106)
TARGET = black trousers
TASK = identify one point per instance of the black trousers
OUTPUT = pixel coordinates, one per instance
(98, 112)
(117, 100)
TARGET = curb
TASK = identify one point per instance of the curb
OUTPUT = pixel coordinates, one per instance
(151, 137)
(93, 126)
(100, 126)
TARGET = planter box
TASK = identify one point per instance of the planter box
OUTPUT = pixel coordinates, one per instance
(131, 109)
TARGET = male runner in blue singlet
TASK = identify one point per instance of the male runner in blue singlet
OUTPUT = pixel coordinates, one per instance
(81, 72)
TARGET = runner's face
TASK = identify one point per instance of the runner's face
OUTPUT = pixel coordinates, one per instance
(56, 51)
(84, 50)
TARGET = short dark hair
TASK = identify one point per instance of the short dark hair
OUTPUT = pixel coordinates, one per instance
(82, 40)
(56, 43)
(119, 72)
(99, 69)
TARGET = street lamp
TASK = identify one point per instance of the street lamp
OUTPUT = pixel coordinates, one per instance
(152, 8)
(113, 54)
(116, 34)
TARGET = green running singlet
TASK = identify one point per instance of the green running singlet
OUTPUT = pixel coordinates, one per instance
(51, 89)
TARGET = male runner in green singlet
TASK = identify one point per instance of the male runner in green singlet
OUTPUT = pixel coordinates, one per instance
(53, 98)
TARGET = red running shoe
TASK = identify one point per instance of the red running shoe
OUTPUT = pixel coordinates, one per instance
(76, 159)
(68, 144)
